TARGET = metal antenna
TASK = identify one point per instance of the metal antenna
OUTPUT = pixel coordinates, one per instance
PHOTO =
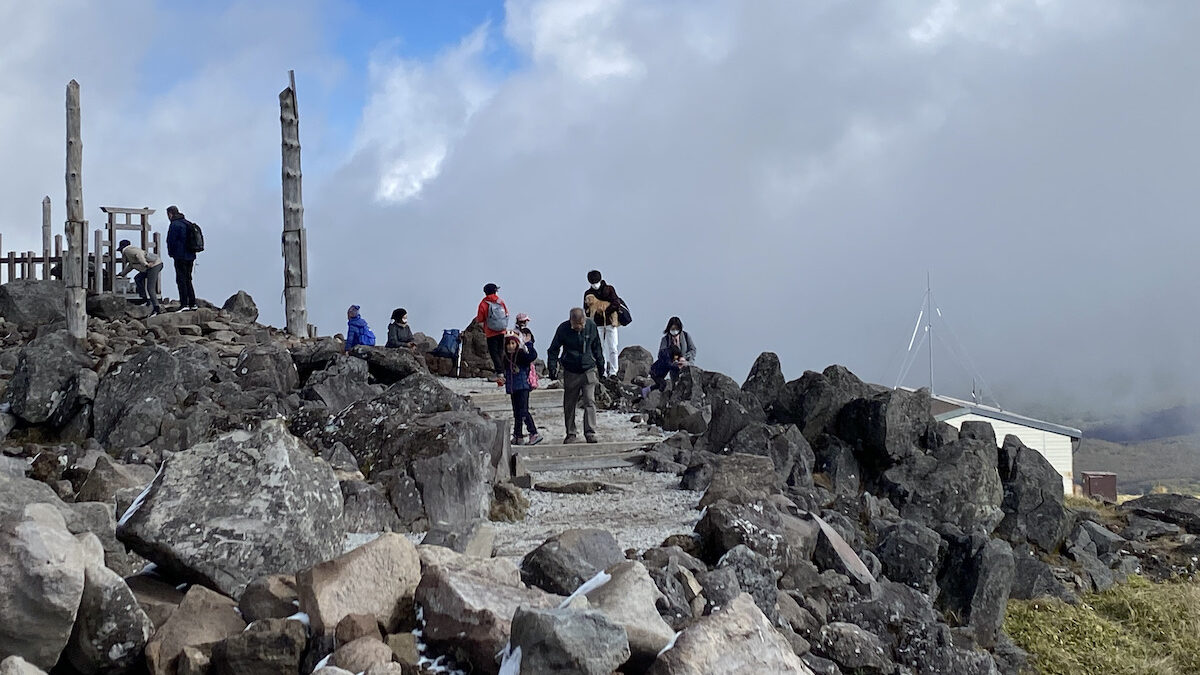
(929, 326)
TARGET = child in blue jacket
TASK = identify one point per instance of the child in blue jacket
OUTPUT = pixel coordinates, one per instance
(516, 361)
(357, 330)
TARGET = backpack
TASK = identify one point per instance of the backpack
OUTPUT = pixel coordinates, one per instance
(195, 239)
(448, 347)
(367, 338)
(497, 317)
(533, 376)
(623, 316)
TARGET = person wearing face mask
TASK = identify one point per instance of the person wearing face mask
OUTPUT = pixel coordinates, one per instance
(399, 334)
(603, 304)
(675, 336)
(523, 327)
(582, 358)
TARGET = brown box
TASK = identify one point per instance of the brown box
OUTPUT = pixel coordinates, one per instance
(1100, 485)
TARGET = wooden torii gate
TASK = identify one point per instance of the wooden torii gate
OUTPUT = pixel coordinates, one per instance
(122, 220)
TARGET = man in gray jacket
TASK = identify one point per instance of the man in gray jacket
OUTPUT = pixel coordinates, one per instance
(582, 357)
(148, 269)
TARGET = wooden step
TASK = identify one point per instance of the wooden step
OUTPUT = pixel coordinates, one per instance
(616, 460)
(547, 450)
(540, 399)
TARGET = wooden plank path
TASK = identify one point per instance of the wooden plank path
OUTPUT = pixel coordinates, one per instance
(546, 404)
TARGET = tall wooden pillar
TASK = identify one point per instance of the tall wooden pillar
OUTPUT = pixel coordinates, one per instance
(295, 252)
(47, 237)
(74, 272)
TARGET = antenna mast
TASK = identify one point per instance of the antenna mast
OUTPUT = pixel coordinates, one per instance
(929, 326)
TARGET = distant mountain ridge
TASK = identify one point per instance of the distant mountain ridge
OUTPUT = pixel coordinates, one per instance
(1181, 420)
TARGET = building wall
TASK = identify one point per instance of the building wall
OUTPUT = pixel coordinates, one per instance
(1054, 447)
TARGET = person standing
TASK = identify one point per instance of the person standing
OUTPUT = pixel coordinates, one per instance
(603, 305)
(582, 357)
(357, 330)
(178, 247)
(518, 361)
(492, 315)
(148, 267)
(399, 333)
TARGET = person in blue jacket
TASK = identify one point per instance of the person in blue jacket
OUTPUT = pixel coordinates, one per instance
(183, 257)
(357, 330)
(516, 361)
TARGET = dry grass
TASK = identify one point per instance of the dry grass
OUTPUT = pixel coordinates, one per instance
(1105, 512)
(1136, 628)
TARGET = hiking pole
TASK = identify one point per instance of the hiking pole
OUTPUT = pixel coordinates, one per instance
(458, 359)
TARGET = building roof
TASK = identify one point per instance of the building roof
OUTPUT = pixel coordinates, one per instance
(947, 408)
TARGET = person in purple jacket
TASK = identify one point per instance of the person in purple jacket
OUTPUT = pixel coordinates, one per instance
(516, 361)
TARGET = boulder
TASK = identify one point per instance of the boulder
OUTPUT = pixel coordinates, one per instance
(629, 599)
(1181, 510)
(377, 578)
(784, 444)
(316, 354)
(833, 553)
(157, 598)
(355, 626)
(477, 539)
(202, 618)
(889, 427)
(42, 566)
(111, 306)
(339, 384)
(736, 639)
(563, 562)
(286, 517)
(835, 459)
(15, 665)
(365, 508)
(1033, 498)
(568, 640)
(469, 615)
(741, 479)
(109, 477)
(48, 367)
(956, 484)
(730, 414)
(362, 654)
(634, 362)
(132, 401)
(909, 554)
(762, 526)
(1143, 529)
(269, 597)
(267, 366)
(29, 303)
(389, 366)
(111, 630)
(765, 381)
(241, 308)
(755, 576)
(1033, 578)
(853, 648)
(978, 430)
(813, 401)
(265, 647)
(686, 416)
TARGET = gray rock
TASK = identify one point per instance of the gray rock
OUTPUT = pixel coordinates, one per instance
(563, 562)
(341, 383)
(634, 362)
(741, 479)
(287, 515)
(1141, 529)
(686, 416)
(568, 640)
(30, 303)
(268, 366)
(978, 430)
(976, 582)
(43, 568)
(956, 484)
(833, 553)
(389, 366)
(736, 639)
(15, 665)
(784, 444)
(270, 597)
(730, 414)
(362, 654)
(720, 586)
(377, 578)
(266, 647)
(765, 381)
(365, 508)
(240, 307)
(813, 401)
(629, 599)
(204, 617)
(111, 630)
(477, 538)
(157, 598)
(1033, 498)
(1033, 578)
(853, 648)
(782, 538)
(109, 477)
(47, 369)
(1181, 510)
(755, 576)
(835, 459)
(1097, 576)
(909, 554)
(1101, 541)
(890, 427)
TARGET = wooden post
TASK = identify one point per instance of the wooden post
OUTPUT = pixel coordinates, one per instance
(74, 272)
(295, 253)
(46, 237)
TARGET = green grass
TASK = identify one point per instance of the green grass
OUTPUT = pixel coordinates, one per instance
(1134, 628)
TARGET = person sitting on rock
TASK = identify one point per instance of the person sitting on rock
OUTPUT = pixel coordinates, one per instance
(148, 267)
(357, 330)
(582, 358)
(399, 334)
(668, 363)
(517, 362)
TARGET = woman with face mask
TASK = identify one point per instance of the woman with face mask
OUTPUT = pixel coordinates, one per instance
(676, 350)
(399, 334)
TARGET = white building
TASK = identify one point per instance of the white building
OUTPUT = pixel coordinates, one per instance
(1056, 443)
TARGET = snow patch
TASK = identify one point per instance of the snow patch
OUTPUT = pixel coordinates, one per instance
(669, 644)
(511, 663)
(141, 497)
(586, 587)
(299, 616)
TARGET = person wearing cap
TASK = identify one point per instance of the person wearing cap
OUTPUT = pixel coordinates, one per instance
(602, 304)
(517, 362)
(399, 333)
(357, 330)
(582, 358)
(491, 313)
(184, 258)
(522, 321)
(148, 267)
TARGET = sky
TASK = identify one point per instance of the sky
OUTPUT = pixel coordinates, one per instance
(783, 176)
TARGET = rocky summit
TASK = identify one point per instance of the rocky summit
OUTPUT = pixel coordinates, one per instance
(194, 493)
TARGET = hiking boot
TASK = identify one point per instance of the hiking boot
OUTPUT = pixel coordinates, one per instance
(571, 438)
(193, 307)
(591, 438)
(155, 311)
(518, 440)
(535, 439)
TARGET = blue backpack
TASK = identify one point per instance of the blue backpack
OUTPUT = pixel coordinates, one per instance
(448, 347)
(368, 337)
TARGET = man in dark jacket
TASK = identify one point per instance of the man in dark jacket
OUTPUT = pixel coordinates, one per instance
(183, 256)
(582, 356)
(603, 305)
